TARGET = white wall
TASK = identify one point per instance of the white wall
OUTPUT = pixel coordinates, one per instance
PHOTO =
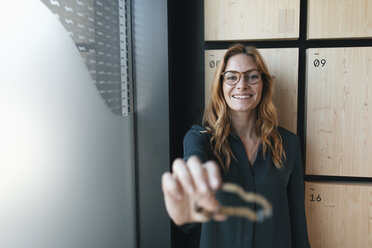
(66, 161)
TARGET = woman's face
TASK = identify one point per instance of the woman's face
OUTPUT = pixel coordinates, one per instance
(242, 97)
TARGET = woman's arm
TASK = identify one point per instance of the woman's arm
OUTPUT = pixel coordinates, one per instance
(296, 201)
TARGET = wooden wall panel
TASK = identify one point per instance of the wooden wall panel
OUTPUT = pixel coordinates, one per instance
(251, 19)
(338, 111)
(283, 65)
(212, 60)
(339, 19)
(338, 216)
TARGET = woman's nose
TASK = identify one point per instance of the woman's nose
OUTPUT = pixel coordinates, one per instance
(242, 83)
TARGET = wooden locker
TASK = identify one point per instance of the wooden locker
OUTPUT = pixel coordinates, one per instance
(339, 19)
(211, 61)
(338, 215)
(283, 65)
(338, 115)
(251, 19)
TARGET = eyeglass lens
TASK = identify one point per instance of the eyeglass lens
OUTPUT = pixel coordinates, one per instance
(233, 77)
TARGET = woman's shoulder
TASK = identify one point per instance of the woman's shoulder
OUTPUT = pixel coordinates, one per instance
(197, 130)
(288, 137)
(197, 142)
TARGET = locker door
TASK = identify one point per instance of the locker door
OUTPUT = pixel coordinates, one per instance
(212, 60)
(251, 20)
(338, 139)
(283, 65)
(339, 19)
(338, 215)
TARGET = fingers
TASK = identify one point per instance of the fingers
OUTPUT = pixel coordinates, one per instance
(171, 187)
(203, 178)
(183, 175)
(199, 175)
(191, 184)
(206, 178)
(214, 176)
(194, 176)
(174, 199)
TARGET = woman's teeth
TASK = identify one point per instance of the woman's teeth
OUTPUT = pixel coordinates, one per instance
(241, 96)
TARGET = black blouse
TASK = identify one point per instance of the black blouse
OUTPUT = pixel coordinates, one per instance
(283, 188)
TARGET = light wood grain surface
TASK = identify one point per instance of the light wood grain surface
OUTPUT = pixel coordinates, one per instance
(251, 19)
(338, 114)
(338, 216)
(339, 19)
(283, 65)
(212, 60)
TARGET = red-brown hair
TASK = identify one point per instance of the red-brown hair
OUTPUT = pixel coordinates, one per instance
(217, 121)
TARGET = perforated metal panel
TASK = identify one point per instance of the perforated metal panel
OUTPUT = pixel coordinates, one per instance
(101, 32)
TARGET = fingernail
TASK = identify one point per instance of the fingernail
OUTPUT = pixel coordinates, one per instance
(214, 183)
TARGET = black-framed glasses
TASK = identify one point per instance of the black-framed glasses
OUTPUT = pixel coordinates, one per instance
(252, 76)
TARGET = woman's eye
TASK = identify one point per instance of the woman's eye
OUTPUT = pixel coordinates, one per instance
(232, 78)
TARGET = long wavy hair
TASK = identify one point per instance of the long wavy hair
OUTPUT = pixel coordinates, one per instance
(217, 121)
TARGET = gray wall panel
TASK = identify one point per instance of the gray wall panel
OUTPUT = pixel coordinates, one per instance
(152, 118)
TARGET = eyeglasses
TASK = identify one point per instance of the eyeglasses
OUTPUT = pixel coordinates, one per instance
(252, 76)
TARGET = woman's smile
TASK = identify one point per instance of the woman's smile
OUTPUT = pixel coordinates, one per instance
(242, 96)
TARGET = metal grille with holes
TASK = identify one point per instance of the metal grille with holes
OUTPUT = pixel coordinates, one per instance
(101, 32)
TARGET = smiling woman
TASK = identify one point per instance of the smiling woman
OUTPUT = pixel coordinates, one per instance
(258, 110)
(242, 97)
(240, 142)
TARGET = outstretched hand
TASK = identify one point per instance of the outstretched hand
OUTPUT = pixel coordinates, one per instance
(189, 187)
